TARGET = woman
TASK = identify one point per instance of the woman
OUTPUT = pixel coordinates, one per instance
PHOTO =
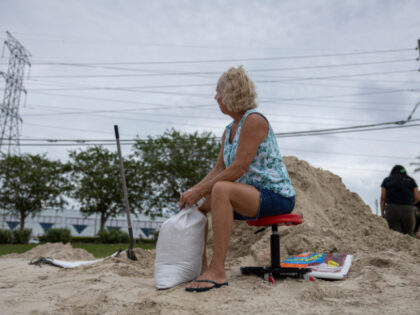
(249, 180)
(399, 192)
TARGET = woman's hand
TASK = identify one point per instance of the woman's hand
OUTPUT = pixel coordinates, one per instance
(189, 198)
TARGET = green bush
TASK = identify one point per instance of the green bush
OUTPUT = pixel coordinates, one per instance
(145, 241)
(56, 235)
(84, 239)
(152, 240)
(113, 236)
(6, 236)
(21, 236)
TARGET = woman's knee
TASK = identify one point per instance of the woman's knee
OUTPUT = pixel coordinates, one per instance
(220, 188)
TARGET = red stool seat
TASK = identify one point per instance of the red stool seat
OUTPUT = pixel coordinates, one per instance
(283, 219)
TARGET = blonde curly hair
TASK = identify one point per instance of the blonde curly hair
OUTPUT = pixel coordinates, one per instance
(237, 90)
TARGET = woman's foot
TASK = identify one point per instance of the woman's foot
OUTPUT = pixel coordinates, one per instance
(218, 277)
(204, 268)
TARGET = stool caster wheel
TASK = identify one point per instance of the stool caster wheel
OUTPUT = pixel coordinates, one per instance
(269, 278)
(308, 277)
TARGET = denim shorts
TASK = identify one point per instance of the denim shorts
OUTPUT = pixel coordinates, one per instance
(271, 204)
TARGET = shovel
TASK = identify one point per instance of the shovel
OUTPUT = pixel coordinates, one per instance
(130, 252)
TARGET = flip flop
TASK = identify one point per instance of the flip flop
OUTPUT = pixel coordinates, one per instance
(216, 285)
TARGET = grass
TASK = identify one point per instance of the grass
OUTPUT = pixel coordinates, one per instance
(15, 248)
(97, 250)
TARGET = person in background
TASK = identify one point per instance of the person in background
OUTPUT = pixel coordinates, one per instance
(399, 192)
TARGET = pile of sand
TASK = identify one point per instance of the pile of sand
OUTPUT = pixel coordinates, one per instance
(58, 251)
(384, 277)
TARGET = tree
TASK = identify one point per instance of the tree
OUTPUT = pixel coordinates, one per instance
(171, 164)
(30, 184)
(97, 182)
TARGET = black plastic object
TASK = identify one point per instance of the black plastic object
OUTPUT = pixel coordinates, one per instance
(275, 270)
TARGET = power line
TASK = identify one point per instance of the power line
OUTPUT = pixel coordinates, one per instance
(137, 88)
(398, 122)
(165, 106)
(309, 133)
(131, 142)
(337, 137)
(180, 73)
(74, 140)
(319, 132)
(141, 111)
(53, 140)
(70, 144)
(72, 129)
(201, 106)
(226, 60)
(346, 95)
(333, 106)
(108, 41)
(300, 84)
(285, 82)
(358, 102)
(381, 80)
(202, 95)
(347, 153)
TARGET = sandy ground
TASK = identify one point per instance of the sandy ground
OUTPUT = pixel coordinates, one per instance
(384, 277)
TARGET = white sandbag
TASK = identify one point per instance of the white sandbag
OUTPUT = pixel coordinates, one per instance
(180, 247)
(68, 264)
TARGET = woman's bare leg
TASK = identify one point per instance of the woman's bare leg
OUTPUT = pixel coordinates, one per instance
(225, 197)
(205, 208)
(204, 265)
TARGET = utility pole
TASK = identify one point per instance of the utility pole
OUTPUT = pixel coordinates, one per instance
(9, 110)
(418, 48)
(376, 206)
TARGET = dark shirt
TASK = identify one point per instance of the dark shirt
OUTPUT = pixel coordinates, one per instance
(399, 193)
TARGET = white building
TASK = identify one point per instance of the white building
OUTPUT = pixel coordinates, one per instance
(143, 226)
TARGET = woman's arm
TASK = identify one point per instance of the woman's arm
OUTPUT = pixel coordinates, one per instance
(383, 197)
(219, 167)
(253, 132)
(416, 194)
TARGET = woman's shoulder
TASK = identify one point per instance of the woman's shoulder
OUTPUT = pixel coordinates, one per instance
(256, 119)
(386, 181)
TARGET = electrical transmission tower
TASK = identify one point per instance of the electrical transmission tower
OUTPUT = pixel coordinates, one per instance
(9, 110)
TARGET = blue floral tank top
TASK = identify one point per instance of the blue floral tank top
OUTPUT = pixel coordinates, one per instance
(267, 169)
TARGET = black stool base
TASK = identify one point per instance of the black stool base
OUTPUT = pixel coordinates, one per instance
(276, 272)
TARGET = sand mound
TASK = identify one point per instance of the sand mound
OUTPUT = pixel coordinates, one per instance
(58, 251)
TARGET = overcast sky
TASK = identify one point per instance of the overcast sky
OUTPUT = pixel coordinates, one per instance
(153, 65)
